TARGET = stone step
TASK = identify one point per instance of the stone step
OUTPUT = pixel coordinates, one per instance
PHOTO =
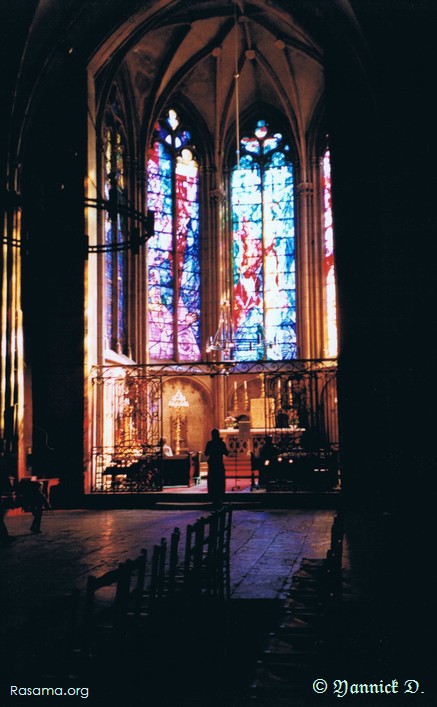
(238, 466)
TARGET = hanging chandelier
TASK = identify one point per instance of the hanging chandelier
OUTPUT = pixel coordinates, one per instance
(220, 347)
(141, 225)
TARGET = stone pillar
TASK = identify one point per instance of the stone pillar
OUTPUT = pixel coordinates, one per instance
(305, 270)
(216, 279)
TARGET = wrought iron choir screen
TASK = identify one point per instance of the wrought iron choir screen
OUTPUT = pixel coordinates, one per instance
(293, 401)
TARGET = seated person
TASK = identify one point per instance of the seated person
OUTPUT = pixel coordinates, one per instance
(165, 448)
(268, 451)
(282, 419)
(267, 454)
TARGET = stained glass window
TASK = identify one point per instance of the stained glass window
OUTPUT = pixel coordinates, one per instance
(173, 252)
(328, 262)
(264, 289)
(115, 264)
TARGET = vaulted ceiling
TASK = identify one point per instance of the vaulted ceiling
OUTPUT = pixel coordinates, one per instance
(202, 56)
(161, 48)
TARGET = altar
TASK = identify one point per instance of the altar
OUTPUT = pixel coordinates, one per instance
(248, 440)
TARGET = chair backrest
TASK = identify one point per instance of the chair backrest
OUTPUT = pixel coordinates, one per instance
(161, 567)
(157, 579)
(173, 561)
(137, 572)
(224, 551)
(193, 558)
(207, 552)
(113, 606)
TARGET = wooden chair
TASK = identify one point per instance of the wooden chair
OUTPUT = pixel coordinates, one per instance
(296, 647)
(207, 556)
(137, 575)
(155, 590)
(105, 610)
(224, 552)
(150, 601)
(173, 565)
(193, 560)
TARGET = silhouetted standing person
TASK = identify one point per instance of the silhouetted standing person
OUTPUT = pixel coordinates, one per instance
(34, 500)
(215, 450)
(6, 499)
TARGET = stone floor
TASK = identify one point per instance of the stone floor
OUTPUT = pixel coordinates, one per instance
(266, 547)
(38, 572)
(384, 629)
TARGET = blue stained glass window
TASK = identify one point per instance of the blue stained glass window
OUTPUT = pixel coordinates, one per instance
(173, 253)
(264, 287)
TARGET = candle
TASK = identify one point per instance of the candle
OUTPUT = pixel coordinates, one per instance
(235, 405)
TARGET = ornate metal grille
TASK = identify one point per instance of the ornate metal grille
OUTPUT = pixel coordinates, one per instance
(126, 428)
(300, 413)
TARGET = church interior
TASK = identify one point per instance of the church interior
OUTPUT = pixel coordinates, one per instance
(219, 215)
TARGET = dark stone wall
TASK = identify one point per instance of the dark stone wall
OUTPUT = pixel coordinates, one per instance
(383, 150)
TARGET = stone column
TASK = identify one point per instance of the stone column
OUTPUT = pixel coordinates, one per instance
(305, 269)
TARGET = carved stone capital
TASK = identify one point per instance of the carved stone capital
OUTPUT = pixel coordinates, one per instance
(305, 189)
(217, 196)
